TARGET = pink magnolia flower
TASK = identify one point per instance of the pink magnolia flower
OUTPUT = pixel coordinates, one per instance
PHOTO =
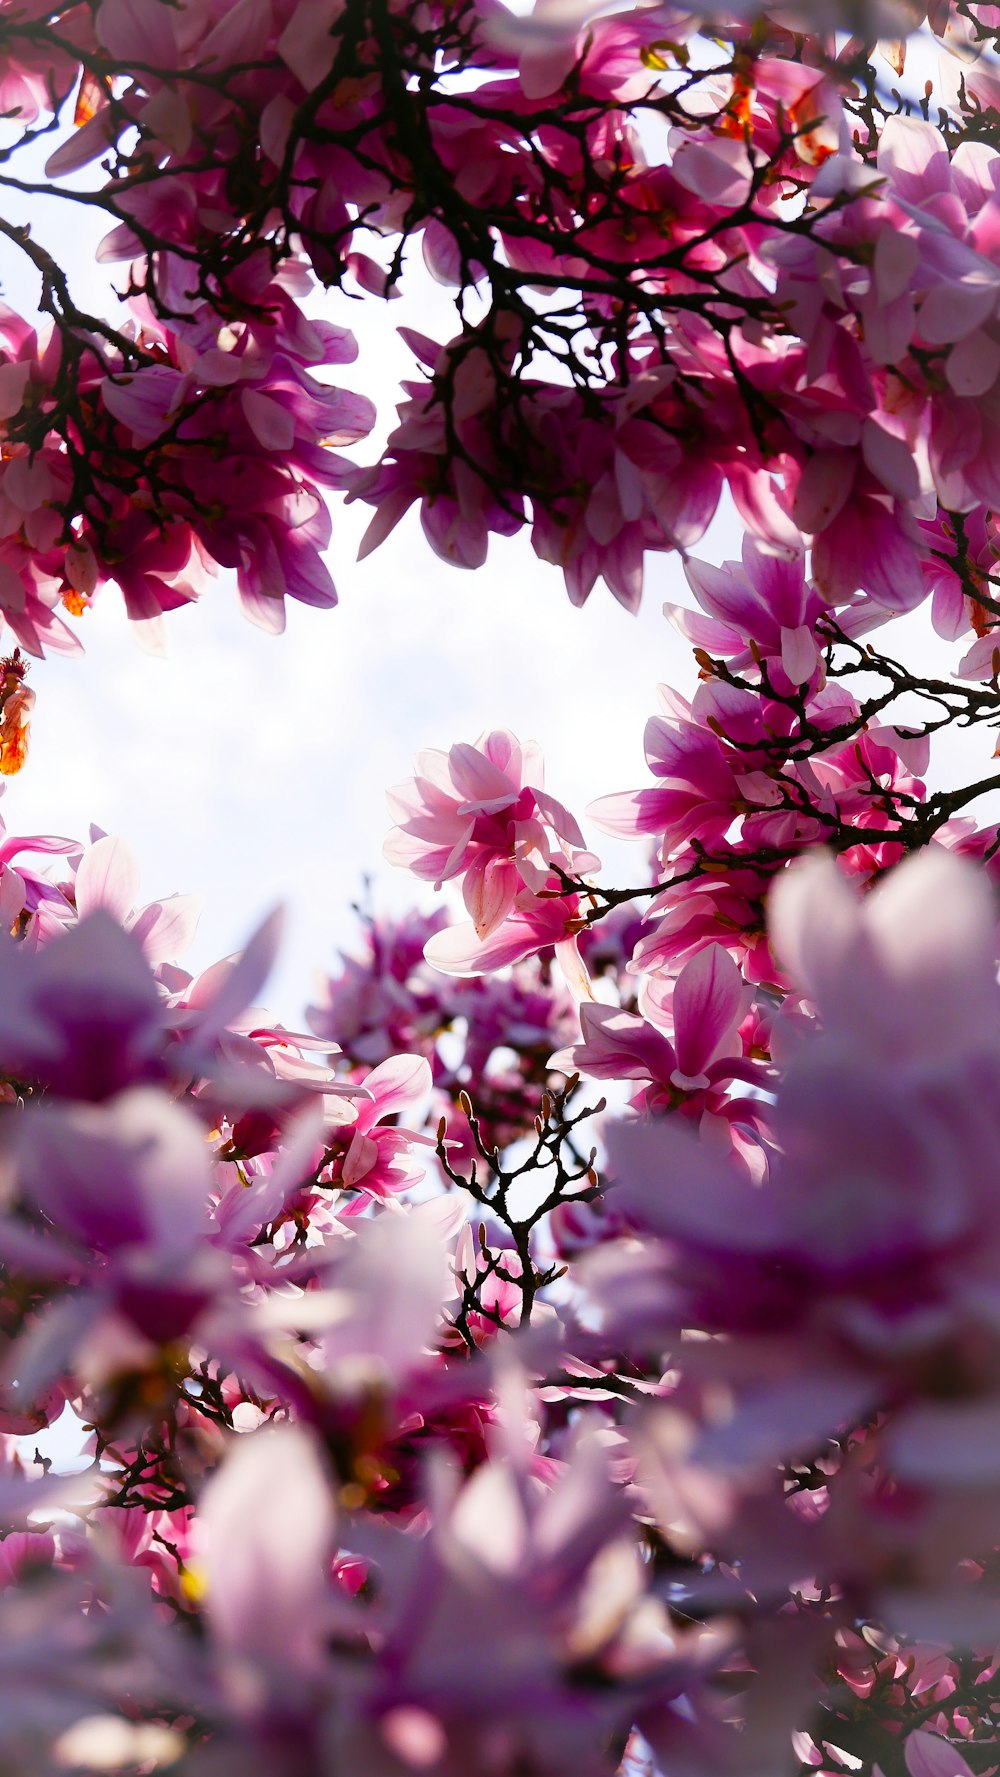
(242, 1060)
(385, 999)
(624, 486)
(868, 1250)
(863, 534)
(697, 794)
(459, 508)
(535, 922)
(108, 877)
(727, 908)
(889, 977)
(390, 1281)
(254, 506)
(504, 1567)
(121, 1193)
(475, 812)
(82, 1015)
(33, 71)
(766, 599)
(32, 906)
(376, 1153)
(562, 37)
(704, 1010)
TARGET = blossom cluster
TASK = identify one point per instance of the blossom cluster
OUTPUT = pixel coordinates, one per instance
(201, 1229)
(576, 1352)
(203, 459)
(403, 1535)
(702, 270)
(760, 1331)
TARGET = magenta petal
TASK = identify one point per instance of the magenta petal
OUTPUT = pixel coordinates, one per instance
(617, 1045)
(709, 1003)
(824, 486)
(458, 950)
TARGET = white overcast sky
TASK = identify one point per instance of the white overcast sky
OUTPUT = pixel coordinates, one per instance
(252, 769)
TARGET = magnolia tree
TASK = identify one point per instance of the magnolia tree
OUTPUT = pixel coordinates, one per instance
(432, 1418)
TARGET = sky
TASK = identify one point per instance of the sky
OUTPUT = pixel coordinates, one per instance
(252, 769)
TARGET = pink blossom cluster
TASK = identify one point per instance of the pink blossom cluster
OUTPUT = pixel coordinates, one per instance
(225, 1258)
(174, 1280)
(772, 295)
(210, 456)
(855, 419)
(576, 1353)
(793, 1256)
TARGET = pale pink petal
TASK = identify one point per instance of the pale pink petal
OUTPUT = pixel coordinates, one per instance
(360, 1159)
(913, 749)
(947, 1443)
(933, 923)
(138, 30)
(927, 1755)
(951, 310)
(814, 923)
(785, 1420)
(559, 817)
(84, 145)
(458, 951)
(396, 1276)
(265, 1529)
(982, 660)
(108, 876)
(668, 1183)
(166, 928)
(142, 400)
(574, 970)
(13, 381)
(972, 366)
(225, 990)
(799, 653)
(241, 34)
(306, 44)
(897, 256)
(488, 891)
(478, 780)
(890, 459)
(399, 1084)
(915, 156)
(824, 486)
(755, 497)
